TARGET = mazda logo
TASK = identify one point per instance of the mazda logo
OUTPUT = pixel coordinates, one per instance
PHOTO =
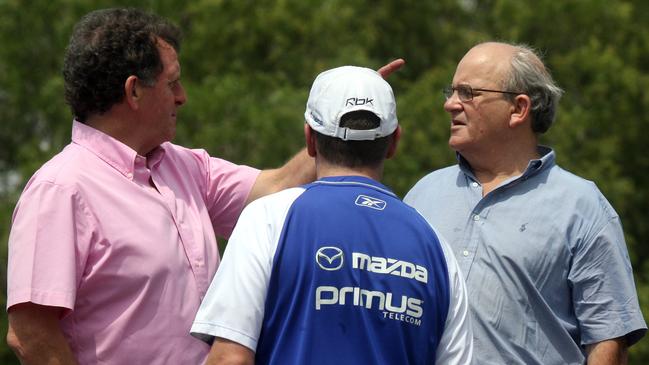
(329, 258)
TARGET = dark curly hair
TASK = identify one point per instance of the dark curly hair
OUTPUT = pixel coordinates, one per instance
(106, 47)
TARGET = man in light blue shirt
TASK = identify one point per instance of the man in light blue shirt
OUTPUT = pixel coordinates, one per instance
(542, 250)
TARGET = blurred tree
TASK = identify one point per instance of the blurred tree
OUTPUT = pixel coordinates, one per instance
(247, 68)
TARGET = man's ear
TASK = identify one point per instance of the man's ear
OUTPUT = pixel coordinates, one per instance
(394, 142)
(521, 109)
(132, 92)
(309, 137)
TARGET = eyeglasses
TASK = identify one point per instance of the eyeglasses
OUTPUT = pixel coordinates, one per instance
(465, 92)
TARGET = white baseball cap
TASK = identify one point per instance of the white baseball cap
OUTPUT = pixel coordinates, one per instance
(345, 89)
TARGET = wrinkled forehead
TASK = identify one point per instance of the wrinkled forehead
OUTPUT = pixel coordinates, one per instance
(484, 65)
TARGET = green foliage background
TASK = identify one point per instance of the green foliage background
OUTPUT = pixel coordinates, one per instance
(248, 65)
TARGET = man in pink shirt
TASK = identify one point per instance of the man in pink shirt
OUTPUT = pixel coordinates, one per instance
(113, 245)
(113, 242)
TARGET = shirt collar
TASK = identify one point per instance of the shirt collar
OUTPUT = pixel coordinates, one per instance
(115, 153)
(355, 180)
(547, 160)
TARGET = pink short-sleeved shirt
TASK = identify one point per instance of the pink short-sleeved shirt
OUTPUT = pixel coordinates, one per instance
(129, 260)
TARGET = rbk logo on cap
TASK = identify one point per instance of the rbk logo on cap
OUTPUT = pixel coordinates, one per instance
(359, 101)
(370, 202)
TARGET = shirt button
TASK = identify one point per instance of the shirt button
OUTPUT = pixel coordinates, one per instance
(474, 184)
(465, 253)
(476, 217)
(129, 175)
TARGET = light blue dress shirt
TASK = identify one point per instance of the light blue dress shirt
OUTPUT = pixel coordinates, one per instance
(544, 257)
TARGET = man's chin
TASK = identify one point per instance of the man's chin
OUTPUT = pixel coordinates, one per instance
(455, 143)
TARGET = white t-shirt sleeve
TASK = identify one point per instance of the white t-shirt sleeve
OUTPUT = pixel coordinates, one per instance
(456, 344)
(233, 307)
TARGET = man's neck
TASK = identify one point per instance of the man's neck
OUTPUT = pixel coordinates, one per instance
(112, 124)
(328, 170)
(492, 168)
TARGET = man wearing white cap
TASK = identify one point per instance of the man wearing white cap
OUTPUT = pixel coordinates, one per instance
(338, 271)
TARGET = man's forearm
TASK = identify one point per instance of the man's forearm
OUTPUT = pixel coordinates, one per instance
(35, 336)
(297, 171)
(609, 352)
(226, 352)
